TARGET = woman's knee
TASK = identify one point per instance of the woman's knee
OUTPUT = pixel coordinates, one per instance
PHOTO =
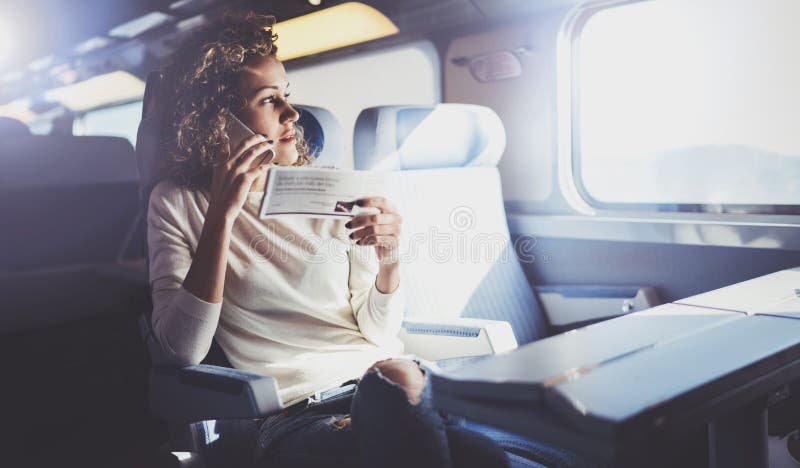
(404, 373)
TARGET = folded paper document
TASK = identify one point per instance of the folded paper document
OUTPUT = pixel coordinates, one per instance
(319, 192)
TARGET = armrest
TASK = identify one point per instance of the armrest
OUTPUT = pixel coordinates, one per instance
(203, 392)
(440, 339)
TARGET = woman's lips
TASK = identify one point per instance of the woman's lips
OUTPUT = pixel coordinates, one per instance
(288, 139)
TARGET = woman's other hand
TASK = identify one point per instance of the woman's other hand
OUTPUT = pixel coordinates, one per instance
(379, 229)
(231, 181)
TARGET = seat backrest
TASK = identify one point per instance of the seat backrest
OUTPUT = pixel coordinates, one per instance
(66, 200)
(149, 140)
(150, 151)
(457, 255)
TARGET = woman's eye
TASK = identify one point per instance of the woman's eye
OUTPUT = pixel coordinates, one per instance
(271, 99)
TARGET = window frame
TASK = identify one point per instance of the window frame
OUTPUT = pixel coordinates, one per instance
(571, 182)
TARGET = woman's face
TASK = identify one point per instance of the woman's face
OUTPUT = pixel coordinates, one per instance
(263, 84)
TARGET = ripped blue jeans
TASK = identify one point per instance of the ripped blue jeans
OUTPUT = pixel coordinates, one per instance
(387, 430)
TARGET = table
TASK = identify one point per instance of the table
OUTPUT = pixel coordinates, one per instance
(623, 391)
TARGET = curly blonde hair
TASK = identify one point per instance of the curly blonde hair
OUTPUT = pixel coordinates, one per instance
(199, 91)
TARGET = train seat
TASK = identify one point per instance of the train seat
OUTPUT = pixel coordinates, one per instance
(451, 229)
(438, 156)
(69, 206)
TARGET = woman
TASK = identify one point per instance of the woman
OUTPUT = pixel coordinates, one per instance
(315, 303)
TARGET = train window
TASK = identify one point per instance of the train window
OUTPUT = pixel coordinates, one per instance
(688, 105)
(41, 127)
(122, 121)
(407, 74)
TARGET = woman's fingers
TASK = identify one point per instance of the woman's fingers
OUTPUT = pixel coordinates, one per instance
(231, 180)
(378, 218)
(243, 181)
(250, 175)
(376, 229)
(246, 159)
(245, 145)
(377, 202)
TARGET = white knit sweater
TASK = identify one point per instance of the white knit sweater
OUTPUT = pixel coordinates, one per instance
(299, 303)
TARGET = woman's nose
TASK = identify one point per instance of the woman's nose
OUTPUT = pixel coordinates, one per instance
(289, 114)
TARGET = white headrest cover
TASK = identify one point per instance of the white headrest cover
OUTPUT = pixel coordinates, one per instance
(418, 137)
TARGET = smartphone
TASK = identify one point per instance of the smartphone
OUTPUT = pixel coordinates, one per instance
(238, 131)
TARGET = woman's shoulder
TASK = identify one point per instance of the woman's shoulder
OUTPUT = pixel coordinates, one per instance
(167, 189)
(168, 193)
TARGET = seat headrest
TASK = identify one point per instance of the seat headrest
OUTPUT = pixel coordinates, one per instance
(324, 135)
(13, 128)
(66, 161)
(420, 137)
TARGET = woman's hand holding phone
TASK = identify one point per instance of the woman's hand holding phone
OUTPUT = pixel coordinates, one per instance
(231, 181)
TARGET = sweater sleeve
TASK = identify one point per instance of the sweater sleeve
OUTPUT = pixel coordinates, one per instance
(183, 324)
(379, 315)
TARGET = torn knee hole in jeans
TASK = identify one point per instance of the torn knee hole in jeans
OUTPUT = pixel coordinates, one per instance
(413, 396)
